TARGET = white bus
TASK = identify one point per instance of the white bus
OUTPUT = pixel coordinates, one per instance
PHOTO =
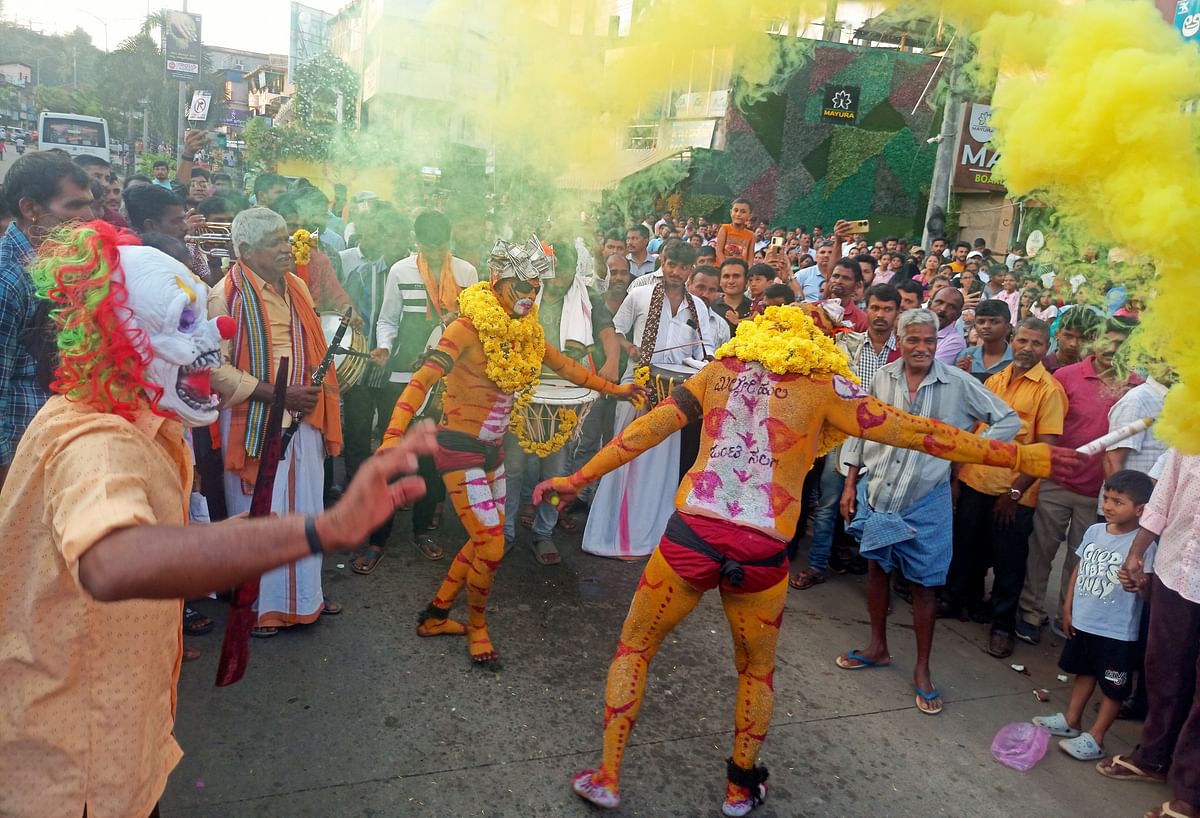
(74, 133)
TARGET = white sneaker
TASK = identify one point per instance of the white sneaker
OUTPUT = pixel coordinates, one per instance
(598, 794)
(736, 809)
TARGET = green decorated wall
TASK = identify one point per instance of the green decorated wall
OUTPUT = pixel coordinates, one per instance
(797, 167)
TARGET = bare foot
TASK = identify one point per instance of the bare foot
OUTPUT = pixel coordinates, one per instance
(480, 645)
(440, 627)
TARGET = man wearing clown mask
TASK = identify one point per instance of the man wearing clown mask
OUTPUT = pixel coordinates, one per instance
(98, 558)
(490, 357)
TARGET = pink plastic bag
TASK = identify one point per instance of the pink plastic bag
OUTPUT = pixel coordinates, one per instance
(1020, 745)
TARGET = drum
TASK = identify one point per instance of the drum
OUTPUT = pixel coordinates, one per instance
(664, 378)
(542, 417)
(350, 368)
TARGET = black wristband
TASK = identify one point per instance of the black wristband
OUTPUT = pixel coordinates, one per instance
(310, 534)
(187, 158)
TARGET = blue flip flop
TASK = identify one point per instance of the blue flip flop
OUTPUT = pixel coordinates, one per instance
(863, 661)
(929, 696)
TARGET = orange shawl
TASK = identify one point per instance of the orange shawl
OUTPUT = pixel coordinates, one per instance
(326, 415)
(444, 292)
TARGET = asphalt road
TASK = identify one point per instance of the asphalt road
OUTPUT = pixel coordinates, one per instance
(357, 716)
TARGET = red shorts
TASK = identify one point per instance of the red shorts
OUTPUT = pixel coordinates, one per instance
(738, 548)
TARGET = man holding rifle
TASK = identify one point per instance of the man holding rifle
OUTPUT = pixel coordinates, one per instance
(99, 559)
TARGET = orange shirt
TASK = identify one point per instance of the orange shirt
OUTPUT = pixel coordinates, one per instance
(1042, 404)
(761, 432)
(87, 688)
(739, 242)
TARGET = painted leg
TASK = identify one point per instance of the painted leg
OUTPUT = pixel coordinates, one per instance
(434, 620)
(483, 498)
(754, 621)
(662, 600)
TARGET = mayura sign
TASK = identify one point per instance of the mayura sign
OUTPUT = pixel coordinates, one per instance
(840, 103)
(976, 155)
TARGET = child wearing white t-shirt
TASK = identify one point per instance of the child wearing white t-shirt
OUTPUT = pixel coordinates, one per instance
(1101, 619)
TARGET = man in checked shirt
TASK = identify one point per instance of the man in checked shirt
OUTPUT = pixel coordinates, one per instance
(43, 191)
(899, 512)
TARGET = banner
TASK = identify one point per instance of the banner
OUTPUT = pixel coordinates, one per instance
(841, 103)
(181, 44)
(976, 156)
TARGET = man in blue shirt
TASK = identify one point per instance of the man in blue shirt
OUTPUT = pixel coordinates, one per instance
(43, 191)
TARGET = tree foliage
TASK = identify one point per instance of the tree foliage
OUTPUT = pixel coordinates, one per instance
(73, 76)
(310, 129)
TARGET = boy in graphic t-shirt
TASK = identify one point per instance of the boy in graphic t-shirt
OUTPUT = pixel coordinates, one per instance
(736, 239)
(1101, 619)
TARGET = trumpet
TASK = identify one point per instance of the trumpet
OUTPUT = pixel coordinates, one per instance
(216, 242)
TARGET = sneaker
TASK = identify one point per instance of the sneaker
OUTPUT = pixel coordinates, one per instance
(1029, 633)
(1000, 645)
(600, 795)
(743, 806)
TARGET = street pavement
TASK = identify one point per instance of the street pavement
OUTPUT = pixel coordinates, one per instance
(357, 716)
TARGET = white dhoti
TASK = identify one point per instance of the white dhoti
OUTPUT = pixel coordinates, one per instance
(289, 595)
(632, 504)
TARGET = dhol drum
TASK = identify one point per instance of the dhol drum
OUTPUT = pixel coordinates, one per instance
(543, 416)
(664, 378)
(350, 367)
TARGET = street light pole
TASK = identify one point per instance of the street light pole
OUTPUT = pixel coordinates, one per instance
(101, 21)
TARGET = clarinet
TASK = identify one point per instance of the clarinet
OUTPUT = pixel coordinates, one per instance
(318, 377)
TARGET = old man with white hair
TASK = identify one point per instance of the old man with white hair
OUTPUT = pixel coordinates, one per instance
(897, 502)
(274, 317)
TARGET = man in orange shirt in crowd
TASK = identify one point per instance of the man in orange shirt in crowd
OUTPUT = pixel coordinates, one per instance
(97, 553)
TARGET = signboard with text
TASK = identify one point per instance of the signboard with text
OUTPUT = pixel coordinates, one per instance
(1187, 18)
(181, 45)
(976, 155)
(841, 103)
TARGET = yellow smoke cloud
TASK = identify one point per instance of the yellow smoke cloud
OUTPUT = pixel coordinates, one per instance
(1088, 114)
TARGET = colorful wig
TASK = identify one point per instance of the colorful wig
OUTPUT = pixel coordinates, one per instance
(102, 355)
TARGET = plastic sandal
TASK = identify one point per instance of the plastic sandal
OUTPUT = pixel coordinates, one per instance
(1057, 725)
(1083, 748)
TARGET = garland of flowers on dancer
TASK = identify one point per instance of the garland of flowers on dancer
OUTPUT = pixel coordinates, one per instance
(513, 348)
(785, 341)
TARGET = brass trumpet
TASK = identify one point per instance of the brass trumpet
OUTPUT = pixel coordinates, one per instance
(216, 242)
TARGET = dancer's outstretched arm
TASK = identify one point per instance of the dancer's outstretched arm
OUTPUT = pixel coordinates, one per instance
(438, 364)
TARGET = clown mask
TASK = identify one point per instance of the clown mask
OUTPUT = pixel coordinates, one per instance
(169, 305)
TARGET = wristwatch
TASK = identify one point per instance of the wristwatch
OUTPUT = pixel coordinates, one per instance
(1015, 494)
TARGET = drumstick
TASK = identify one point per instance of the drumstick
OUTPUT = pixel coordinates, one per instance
(678, 346)
(1101, 443)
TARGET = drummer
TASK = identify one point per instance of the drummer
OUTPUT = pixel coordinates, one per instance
(576, 322)
(419, 299)
(632, 504)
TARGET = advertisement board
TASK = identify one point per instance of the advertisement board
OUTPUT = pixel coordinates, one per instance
(181, 44)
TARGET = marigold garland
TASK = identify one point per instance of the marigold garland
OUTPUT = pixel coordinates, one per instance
(568, 419)
(302, 247)
(641, 376)
(785, 341)
(513, 347)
